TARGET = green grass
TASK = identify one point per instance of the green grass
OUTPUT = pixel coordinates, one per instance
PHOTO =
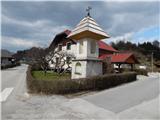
(50, 75)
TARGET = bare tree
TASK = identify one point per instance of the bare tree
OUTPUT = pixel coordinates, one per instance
(60, 61)
(61, 65)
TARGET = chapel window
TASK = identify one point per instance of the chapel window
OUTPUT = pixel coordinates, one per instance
(78, 68)
(93, 47)
(80, 47)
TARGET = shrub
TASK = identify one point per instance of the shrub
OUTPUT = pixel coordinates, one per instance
(141, 72)
(72, 86)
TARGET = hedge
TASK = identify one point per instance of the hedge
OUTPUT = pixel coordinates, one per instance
(141, 72)
(72, 86)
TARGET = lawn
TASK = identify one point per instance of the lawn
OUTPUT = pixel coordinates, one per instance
(50, 75)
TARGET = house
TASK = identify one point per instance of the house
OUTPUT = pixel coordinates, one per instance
(6, 58)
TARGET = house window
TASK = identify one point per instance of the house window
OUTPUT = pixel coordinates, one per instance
(68, 59)
(93, 47)
(80, 47)
(68, 46)
(78, 68)
(57, 60)
(59, 47)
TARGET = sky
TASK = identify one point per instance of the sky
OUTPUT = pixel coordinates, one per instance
(28, 24)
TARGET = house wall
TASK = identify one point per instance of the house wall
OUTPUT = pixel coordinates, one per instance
(5, 61)
(64, 49)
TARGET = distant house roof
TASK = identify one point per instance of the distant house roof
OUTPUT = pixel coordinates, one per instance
(6, 54)
(104, 46)
(59, 37)
(120, 58)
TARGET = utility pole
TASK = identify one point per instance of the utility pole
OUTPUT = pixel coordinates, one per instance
(152, 61)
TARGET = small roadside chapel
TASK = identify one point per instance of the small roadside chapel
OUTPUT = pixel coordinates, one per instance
(87, 34)
(85, 43)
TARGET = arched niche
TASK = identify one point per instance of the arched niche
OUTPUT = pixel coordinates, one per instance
(78, 68)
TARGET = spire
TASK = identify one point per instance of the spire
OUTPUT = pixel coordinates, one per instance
(87, 28)
(88, 10)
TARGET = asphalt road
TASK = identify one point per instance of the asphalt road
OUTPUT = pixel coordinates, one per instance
(126, 96)
(14, 78)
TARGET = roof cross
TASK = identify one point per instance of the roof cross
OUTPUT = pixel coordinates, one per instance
(88, 10)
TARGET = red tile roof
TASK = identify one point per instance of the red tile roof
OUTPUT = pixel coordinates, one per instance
(104, 46)
(119, 57)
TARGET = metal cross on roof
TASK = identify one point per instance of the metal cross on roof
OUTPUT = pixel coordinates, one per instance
(88, 10)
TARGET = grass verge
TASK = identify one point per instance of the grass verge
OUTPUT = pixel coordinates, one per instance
(40, 75)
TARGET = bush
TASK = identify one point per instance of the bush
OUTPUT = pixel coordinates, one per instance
(72, 86)
(141, 72)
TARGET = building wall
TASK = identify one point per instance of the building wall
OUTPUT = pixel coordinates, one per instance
(94, 68)
(82, 72)
(87, 49)
(88, 68)
(5, 61)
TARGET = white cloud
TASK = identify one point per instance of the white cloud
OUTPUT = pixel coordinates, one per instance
(38, 23)
(42, 30)
(126, 37)
(18, 42)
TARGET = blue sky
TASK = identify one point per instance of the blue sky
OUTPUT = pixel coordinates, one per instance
(28, 24)
(149, 34)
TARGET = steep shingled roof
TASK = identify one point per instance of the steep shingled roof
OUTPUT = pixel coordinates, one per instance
(88, 27)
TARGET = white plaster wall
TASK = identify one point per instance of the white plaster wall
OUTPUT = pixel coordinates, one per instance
(5, 61)
(84, 53)
(83, 66)
(89, 68)
(86, 49)
(89, 54)
(94, 68)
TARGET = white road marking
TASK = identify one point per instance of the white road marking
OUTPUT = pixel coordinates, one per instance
(5, 93)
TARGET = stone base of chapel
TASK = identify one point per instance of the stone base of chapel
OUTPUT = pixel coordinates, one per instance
(82, 68)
